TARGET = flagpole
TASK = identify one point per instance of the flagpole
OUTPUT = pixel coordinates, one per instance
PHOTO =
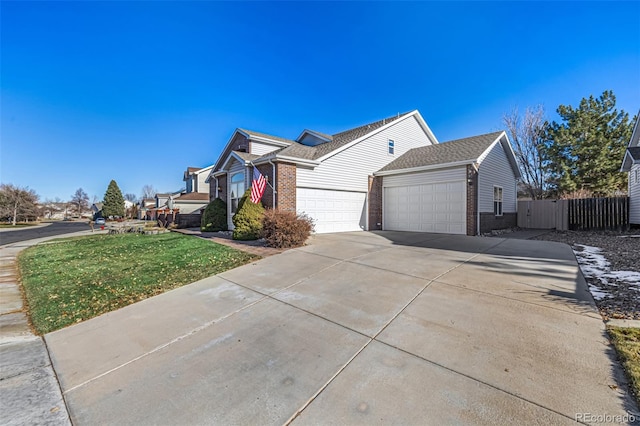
(268, 182)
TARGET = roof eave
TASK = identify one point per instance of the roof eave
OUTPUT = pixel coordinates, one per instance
(425, 168)
(628, 161)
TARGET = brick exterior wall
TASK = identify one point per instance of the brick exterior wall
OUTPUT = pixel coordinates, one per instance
(489, 222)
(238, 143)
(286, 186)
(222, 183)
(472, 200)
(267, 171)
(374, 198)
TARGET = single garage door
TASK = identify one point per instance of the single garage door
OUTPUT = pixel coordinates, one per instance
(431, 207)
(333, 211)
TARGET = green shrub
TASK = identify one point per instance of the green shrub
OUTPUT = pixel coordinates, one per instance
(286, 229)
(214, 217)
(248, 219)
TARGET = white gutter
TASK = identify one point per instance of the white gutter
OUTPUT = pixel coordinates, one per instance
(424, 168)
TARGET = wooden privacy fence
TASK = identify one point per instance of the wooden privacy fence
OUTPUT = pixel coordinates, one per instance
(579, 214)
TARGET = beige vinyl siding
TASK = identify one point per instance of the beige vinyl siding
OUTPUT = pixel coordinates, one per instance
(495, 170)
(202, 186)
(634, 194)
(260, 148)
(433, 176)
(190, 207)
(349, 169)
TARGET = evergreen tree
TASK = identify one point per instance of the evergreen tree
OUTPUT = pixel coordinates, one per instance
(586, 149)
(214, 217)
(248, 219)
(113, 204)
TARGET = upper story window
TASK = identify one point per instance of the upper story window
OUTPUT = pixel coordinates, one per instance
(497, 200)
(236, 189)
(391, 147)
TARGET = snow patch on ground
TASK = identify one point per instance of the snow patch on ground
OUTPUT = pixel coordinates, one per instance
(594, 265)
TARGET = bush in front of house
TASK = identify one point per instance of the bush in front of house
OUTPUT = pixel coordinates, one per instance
(286, 229)
(214, 217)
(248, 219)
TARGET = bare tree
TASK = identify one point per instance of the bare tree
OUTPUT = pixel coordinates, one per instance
(131, 197)
(80, 200)
(16, 202)
(527, 135)
(148, 191)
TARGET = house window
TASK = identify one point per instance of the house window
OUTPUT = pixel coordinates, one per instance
(236, 190)
(637, 175)
(391, 147)
(497, 200)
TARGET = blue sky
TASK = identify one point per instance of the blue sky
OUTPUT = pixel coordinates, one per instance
(139, 91)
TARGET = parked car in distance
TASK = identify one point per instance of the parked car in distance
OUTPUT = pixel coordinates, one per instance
(100, 221)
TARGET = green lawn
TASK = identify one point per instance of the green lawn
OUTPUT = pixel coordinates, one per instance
(74, 279)
(627, 344)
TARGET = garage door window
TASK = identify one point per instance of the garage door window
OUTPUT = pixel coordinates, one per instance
(497, 200)
(236, 190)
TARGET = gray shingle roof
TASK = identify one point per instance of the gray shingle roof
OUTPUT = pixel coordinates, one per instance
(467, 149)
(246, 156)
(298, 150)
(264, 135)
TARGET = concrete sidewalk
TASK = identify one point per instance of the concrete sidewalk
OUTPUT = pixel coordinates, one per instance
(355, 328)
(29, 389)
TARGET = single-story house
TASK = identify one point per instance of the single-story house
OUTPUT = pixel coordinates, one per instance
(391, 174)
(631, 165)
(195, 179)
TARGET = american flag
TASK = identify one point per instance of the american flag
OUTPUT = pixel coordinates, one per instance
(258, 186)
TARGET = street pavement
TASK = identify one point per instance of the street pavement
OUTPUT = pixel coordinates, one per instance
(356, 328)
(10, 236)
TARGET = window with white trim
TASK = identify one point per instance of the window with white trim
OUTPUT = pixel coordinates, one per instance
(391, 147)
(497, 200)
(637, 175)
(236, 190)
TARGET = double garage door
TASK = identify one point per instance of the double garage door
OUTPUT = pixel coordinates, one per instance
(333, 211)
(426, 207)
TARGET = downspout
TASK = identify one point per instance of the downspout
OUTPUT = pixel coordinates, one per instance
(273, 188)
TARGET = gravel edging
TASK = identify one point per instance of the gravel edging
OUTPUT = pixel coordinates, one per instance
(622, 251)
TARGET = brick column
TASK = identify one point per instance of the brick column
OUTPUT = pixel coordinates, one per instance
(286, 186)
(267, 171)
(375, 203)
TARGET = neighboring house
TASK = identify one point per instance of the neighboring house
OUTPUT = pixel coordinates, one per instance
(144, 205)
(96, 209)
(631, 165)
(196, 179)
(162, 198)
(192, 202)
(391, 174)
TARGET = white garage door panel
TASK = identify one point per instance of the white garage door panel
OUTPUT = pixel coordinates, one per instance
(333, 211)
(431, 207)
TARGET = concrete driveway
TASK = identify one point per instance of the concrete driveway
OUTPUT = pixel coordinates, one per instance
(355, 328)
